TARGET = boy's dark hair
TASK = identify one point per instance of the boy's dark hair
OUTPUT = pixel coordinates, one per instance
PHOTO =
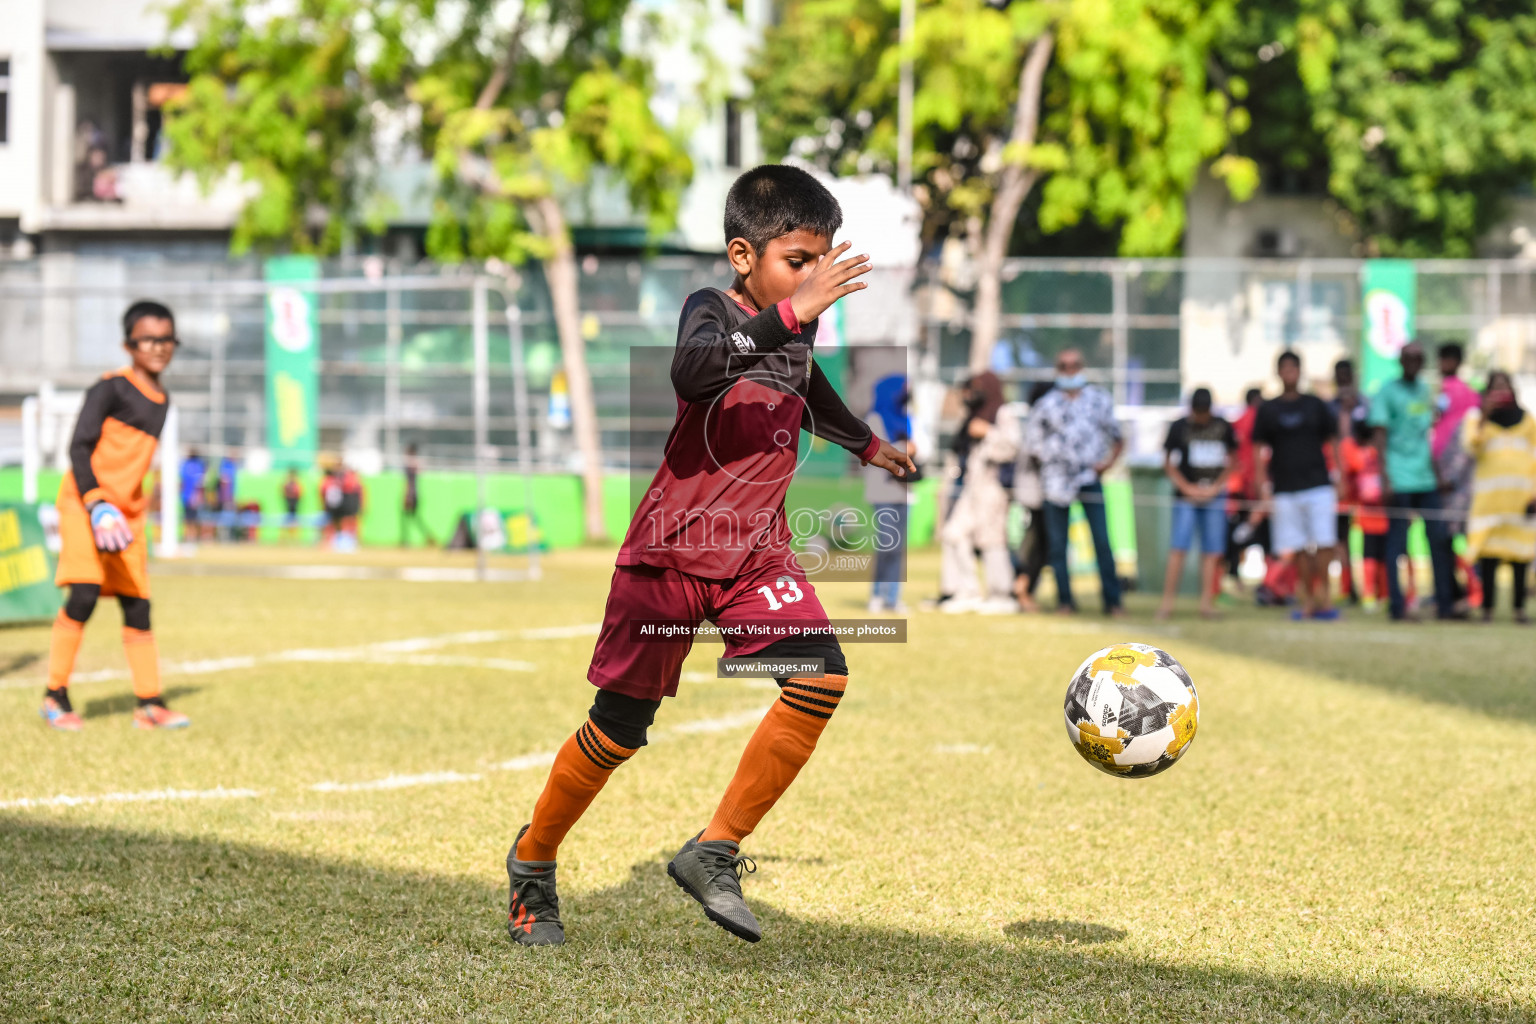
(775, 199)
(1344, 369)
(1253, 395)
(143, 308)
(1451, 350)
(1200, 401)
(1287, 357)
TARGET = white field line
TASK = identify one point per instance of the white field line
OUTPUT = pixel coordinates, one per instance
(387, 652)
(397, 782)
(524, 762)
(961, 748)
(540, 759)
(146, 796)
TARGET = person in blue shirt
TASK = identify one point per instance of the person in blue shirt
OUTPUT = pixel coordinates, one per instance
(1403, 414)
(192, 473)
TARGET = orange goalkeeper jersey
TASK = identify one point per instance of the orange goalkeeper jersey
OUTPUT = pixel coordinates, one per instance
(114, 443)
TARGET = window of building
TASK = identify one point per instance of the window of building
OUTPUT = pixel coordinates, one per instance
(733, 133)
(5, 101)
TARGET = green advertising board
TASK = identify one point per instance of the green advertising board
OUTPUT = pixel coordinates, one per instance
(1390, 294)
(293, 354)
(27, 592)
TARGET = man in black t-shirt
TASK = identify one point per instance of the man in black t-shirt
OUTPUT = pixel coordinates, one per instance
(1294, 479)
(1198, 460)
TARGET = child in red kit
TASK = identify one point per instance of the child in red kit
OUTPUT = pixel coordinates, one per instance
(710, 541)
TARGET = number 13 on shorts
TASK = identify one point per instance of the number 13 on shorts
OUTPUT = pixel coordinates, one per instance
(788, 596)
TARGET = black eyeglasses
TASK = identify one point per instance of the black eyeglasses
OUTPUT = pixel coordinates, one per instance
(169, 341)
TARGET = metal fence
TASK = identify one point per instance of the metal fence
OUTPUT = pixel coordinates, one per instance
(398, 344)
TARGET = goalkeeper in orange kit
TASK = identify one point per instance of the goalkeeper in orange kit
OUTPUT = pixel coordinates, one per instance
(102, 517)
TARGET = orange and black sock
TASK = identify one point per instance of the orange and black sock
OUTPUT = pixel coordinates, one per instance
(65, 644)
(775, 754)
(143, 663)
(581, 769)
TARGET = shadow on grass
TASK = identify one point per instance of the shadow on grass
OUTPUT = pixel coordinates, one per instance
(19, 662)
(109, 925)
(1484, 668)
(124, 703)
(1064, 933)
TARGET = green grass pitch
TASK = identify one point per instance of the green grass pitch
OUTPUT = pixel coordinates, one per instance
(1348, 839)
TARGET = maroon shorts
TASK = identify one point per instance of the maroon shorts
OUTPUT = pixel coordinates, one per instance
(766, 593)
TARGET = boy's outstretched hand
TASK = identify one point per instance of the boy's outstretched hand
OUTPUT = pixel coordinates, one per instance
(828, 282)
(893, 460)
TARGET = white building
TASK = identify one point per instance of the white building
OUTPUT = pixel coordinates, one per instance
(81, 85)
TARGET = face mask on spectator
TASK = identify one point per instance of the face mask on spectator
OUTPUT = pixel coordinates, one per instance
(1071, 381)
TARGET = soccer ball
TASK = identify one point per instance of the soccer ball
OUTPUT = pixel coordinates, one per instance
(1131, 710)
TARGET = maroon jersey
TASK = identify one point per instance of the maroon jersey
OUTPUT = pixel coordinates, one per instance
(746, 385)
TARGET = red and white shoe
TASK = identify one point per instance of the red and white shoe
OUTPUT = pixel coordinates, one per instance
(60, 716)
(158, 716)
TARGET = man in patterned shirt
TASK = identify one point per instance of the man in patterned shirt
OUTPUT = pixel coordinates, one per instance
(1073, 432)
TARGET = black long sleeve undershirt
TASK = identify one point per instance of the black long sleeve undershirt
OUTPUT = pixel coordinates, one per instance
(719, 342)
(829, 419)
(82, 445)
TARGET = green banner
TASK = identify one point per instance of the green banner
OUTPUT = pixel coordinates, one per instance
(1390, 294)
(293, 352)
(27, 592)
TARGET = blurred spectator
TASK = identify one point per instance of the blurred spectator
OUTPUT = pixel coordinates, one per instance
(1502, 441)
(95, 180)
(293, 493)
(351, 506)
(1243, 491)
(192, 473)
(331, 500)
(1073, 432)
(1030, 494)
(978, 520)
(1453, 463)
(1294, 478)
(887, 495)
(1361, 489)
(1198, 456)
(1348, 406)
(1403, 413)
(213, 508)
(410, 510)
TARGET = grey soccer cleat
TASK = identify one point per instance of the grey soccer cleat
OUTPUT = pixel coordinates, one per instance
(533, 917)
(711, 873)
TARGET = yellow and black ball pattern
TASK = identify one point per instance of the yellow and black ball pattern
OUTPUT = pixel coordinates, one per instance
(1131, 710)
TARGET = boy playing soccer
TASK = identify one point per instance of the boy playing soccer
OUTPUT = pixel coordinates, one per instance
(710, 541)
(101, 518)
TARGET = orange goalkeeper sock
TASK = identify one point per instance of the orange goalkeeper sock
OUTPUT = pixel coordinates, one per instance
(65, 644)
(580, 771)
(143, 661)
(775, 754)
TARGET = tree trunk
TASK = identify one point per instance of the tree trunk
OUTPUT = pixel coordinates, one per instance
(561, 272)
(1014, 182)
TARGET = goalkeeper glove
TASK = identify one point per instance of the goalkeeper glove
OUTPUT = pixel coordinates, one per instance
(110, 527)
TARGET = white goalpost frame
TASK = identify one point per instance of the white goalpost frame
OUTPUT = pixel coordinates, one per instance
(170, 484)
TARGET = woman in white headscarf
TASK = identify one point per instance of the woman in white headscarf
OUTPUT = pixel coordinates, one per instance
(978, 519)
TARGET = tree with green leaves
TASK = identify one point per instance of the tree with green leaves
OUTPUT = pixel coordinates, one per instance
(1108, 105)
(517, 106)
(1414, 115)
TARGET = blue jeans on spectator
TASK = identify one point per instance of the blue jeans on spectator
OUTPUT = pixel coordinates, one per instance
(1442, 558)
(890, 537)
(1207, 521)
(1057, 520)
